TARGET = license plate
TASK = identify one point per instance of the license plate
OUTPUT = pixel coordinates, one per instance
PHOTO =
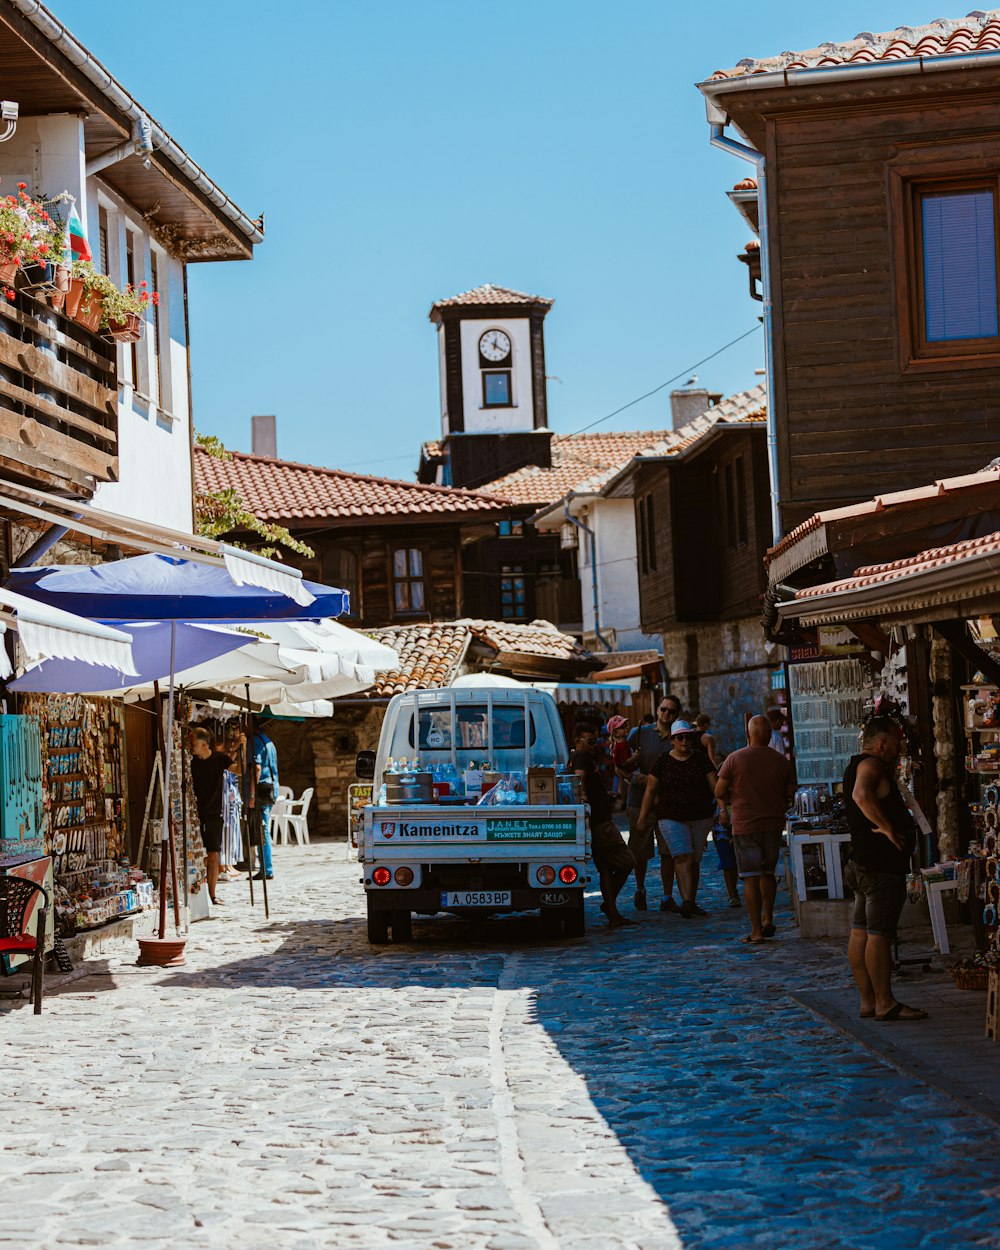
(475, 898)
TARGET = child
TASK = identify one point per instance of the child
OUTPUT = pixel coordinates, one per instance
(623, 758)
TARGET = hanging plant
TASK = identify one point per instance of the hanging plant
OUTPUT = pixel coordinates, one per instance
(31, 240)
(88, 291)
(124, 313)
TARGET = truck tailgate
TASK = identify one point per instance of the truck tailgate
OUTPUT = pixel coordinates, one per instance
(492, 833)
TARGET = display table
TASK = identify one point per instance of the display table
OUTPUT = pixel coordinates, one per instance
(935, 905)
(824, 848)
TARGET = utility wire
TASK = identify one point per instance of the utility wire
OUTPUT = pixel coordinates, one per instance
(632, 402)
(600, 420)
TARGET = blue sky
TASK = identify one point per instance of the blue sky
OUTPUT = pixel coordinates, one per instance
(404, 152)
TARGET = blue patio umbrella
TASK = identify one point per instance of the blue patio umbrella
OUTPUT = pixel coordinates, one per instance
(193, 644)
(173, 589)
(164, 588)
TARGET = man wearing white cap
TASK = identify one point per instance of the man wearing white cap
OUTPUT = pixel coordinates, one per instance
(680, 791)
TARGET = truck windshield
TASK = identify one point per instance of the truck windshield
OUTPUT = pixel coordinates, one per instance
(468, 733)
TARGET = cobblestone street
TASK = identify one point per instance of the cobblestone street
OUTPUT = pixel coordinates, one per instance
(293, 1088)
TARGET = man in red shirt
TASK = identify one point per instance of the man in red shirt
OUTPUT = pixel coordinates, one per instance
(758, 785)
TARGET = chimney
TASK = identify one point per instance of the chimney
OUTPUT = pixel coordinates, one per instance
(690, 402)
(264, 436)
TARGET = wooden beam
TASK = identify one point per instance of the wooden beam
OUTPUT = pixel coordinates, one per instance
(44, 367)
(96, 358)
(871, 636)
(956, 634)
(56, 412)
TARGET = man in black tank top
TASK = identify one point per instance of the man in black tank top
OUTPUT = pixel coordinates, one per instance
(882, 842)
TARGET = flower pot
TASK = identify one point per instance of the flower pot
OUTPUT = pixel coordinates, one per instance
(9, 269)
(73, 297)
(156, 952)
(128, 330)
(56, 299)
(89, 313)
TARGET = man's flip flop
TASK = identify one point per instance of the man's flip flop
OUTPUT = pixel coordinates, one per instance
(896, 1013)
(747, 940)
(768, 930)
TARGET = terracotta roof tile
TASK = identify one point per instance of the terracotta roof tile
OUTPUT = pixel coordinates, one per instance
(539, 638)
(430, 657)
(979, 32)
(745, 184)
(490, 294)
(281, 490)
(880, 503)
(586, 462)
(934, 557)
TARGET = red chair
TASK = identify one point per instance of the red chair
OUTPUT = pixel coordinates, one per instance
(16, 897)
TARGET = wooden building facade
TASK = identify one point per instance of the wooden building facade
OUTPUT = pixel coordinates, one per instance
(396, 547)
(882, 211)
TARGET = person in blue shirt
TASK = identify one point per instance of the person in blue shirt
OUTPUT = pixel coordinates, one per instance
(265, 756)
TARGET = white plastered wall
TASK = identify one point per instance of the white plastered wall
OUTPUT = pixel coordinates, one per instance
(520, 415)
(613, 523)
(154, 418)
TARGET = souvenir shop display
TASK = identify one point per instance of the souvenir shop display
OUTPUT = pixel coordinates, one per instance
(828, 701)
(978, 874)
(22, 799)
(82, 772)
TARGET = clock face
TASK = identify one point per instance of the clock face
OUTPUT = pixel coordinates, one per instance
(494, 345)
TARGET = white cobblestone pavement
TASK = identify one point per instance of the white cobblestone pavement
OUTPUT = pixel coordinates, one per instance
(293, 1088)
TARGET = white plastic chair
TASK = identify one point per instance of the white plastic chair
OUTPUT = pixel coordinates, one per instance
(284, 792)
(277, 830)
(294, 817)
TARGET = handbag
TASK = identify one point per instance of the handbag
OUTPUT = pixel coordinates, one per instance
(265, 793)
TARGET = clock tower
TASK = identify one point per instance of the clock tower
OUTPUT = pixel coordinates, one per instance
(494, 417)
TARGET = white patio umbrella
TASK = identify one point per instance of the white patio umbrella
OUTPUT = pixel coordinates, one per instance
(328, 661)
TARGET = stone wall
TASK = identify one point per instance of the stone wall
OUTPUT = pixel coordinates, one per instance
(722, 670)
(321, 754)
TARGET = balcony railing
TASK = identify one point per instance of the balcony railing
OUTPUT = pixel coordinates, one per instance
(58, 399)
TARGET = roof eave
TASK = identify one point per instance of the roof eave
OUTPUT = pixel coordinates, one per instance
(817, 75)
(954, 584)
(109, 94)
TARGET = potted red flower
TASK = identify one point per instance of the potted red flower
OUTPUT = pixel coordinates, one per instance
(125, 312)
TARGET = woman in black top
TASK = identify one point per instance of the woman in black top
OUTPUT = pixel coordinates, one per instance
(681, 790)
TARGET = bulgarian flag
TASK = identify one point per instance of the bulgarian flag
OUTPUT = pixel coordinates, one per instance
(75, 245)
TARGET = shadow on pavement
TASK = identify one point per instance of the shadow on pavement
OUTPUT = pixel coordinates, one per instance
(751, 1118)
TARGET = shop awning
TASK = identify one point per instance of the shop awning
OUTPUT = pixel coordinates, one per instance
(151, 648)
(45, 630)
(174, 588)
(590, 692)
(244, 567)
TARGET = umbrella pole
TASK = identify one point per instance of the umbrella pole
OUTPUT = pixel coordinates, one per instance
(168, 831)
(184, 844)
(246, 809)
(258, 822)
(162, 931)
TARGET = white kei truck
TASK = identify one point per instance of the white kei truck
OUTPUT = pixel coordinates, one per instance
(430, 845)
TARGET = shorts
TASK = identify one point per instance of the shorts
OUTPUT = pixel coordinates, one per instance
(878, 899)
(686, 837)
(722, 840)
(641, 844)
(211, 834)
(757, 853)
(607, 846)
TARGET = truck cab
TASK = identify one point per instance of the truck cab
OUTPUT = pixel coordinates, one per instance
(473, 812)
